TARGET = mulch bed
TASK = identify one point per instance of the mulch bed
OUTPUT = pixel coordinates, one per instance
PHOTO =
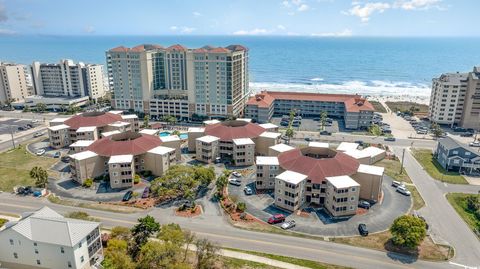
(189, 213)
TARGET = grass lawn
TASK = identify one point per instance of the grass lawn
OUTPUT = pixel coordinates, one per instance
(295, 261)
(392, 169)
(15, 167)
(381, 241)
(405, 106)
(418, 201)
(378, 106)
(2, 222)
(458, 201)
(433, 168)
(243, 264)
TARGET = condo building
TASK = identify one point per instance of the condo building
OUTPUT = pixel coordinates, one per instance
(318, 175)
(354, 110)
(455, 99)
(236, 141)
(68, 79)
(13, 83)
(179, 81)
(46, 239)
(89, 126)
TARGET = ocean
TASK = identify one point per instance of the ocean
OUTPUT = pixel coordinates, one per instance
(366, 65)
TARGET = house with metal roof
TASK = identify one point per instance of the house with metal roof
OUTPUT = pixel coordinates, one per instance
(46, 239)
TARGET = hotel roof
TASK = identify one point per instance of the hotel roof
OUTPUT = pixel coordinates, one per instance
(341, 182)
(83, 155)
(208, 139)
(209, 122)
(268, 125)
(292, 177)
(370, 169)
(98, 119)
(161, 150)
(59, 120)
(124, 144)
(282, 147)
(118, 112)
(262, 160)
(353, 103)
(149, 131)
(170, 138)
(229, 130)
(119, 124)
(346, 146)
(270, 134)
(243, 141)
(245, 119)
(129, 116)
(86, 129)
(82, 143)
(121, 159)
(58, 127)
(318, 144)
(105, 134)
(47, 226)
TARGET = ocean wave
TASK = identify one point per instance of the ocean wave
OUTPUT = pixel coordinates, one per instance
(316, 79)
(375, 88)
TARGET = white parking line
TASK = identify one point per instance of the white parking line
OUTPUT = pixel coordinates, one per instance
(464, 266)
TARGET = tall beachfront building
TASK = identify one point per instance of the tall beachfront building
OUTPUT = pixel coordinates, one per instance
(455, 99)
(68, 79)
(13, 82)
(179, 81)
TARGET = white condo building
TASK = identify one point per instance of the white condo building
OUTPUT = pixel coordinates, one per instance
(68, 79)
(13, 82)
(46, 239)
(179, 81)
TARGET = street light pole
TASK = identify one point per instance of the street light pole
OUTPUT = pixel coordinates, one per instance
(401, 165)
(11, 133)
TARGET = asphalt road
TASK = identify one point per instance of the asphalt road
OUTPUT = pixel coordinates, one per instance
(20, 139)
(213, 226)
(445, 222)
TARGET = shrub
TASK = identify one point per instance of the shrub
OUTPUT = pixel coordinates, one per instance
(408, 231)
(136, 179)
(88, 183)
(241, 206)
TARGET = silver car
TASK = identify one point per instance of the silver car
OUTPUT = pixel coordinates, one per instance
(288, 224)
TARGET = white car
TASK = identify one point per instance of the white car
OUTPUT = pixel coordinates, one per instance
(404, 191)
(236, 174)
(235, 181)
(288, 224)
(475, 144)
(37, 134)
(40, 152)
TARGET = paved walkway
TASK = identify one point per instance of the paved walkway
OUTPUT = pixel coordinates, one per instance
(259, 259)
(446, 225)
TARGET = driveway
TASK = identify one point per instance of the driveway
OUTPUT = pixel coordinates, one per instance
(318, 222)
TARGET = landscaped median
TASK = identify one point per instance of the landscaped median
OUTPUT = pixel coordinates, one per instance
(433, 168)
(468, 207)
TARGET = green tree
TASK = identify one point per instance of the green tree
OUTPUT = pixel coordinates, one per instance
(26, 108)
(88, 183)
(172, 233)
(436, 130)
(472, 203)
(291, 116)
(41, 107)
(408, 231)
(289, 133)
(136, 179)
(176, 132)
(40, 176)
(375, 129)
(116, 256)
(156, 254)
(141, 232)
(241, 206)
(146, 120)
(204, 175)
(323, 119)
(122, 233)
(205, 254)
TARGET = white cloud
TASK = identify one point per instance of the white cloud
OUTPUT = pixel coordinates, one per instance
(3, 13)
(7, 32)
(197, 14)
(416, 4)
(182, 29)
(256, 31)
(281, 27)
(364, 12)
(89, 29)
(299, 5)
(344, 33)
(303, 7)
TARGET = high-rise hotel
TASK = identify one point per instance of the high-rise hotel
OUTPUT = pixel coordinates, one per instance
(177, 81)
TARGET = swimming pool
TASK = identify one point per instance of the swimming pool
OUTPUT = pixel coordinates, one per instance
(182, 136)
(162, 134)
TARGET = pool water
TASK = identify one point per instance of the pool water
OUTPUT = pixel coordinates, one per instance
(162, 134)
(182, 136)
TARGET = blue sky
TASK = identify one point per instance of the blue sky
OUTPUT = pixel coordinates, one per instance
(241, 17)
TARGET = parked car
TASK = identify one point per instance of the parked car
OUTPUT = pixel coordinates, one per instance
(127, 196)
(248, 190)
(466, 134)
(403, 190)
(146, 192)
(360, 142)
(459, 129)
(40, 152)
(27, 190)
(362, 229)
(37, 134)
(475, 144)
(57, 154)
(288, 224)
(308, 139)
(364, 204)
(278, 218)
(235, 181)
(420, 131)
(325, 133)
(397, 183)
(65, 159)
(236, 174)
(389, 138)
(21, 128)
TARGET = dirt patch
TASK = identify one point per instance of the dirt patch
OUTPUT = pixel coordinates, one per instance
(190, 213)
(143, 203)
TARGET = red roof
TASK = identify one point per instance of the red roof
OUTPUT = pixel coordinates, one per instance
(229, 130)
(317, 169)
(177, 47)
(353, 102)
(118, 145)
(97, 119)
(138, 48)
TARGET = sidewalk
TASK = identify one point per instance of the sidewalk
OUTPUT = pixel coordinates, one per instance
(254, 258)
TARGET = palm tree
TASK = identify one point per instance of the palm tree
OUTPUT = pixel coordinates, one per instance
(40, 176)
(323, 119)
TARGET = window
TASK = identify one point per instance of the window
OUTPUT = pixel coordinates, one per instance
(353, 189)
(80, 245)
(38, 262)
(15, 255)
(62, 250)
(35, 244)
(69, 264)
(11, 242)
(36, 251)
(82, 259)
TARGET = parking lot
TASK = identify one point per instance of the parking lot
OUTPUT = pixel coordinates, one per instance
(317, 221)
(311, 125)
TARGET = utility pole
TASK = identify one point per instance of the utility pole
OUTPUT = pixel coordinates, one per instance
(401, 165)
(11, 133)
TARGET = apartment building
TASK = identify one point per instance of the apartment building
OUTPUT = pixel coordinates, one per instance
(46, 239)
(356, 111)
(455, 99)
(121, 156)
(89, 126)
(319, 176)
(237, 141)
(179, 81)
(68, 79)
(13, 83)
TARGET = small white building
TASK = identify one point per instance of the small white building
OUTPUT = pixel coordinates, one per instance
(46, 239)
